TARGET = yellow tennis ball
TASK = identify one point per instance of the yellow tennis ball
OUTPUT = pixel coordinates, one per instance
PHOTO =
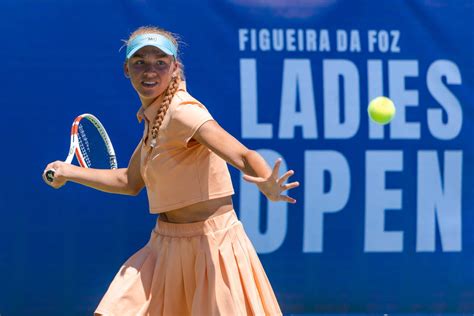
(381, 110)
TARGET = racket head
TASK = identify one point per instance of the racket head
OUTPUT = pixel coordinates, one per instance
(92, 146)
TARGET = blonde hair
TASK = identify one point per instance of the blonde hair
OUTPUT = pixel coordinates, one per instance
(174, 83)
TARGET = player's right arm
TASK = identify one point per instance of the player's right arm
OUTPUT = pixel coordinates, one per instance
(126, 181)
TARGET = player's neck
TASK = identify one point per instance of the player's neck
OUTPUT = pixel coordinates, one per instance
(149, 102)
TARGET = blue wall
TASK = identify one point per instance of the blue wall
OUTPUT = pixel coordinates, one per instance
(384, 215)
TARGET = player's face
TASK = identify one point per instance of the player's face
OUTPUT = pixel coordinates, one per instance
(150, 71)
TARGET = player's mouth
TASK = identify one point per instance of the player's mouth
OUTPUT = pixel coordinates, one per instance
(149, 84)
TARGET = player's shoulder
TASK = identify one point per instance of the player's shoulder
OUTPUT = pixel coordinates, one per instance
(182, 99)
(183, 96)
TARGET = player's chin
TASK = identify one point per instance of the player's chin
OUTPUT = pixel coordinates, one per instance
(150, 93)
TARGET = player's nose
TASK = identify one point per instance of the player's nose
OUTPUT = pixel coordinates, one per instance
(150, 73)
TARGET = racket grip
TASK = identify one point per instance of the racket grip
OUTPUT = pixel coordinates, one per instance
(50, 175)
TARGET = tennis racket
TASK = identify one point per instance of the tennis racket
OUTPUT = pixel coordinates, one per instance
(91, 145)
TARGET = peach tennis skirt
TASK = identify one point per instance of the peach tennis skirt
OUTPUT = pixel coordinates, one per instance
(203, 268)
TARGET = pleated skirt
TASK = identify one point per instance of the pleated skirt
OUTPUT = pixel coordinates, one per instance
(203, 268)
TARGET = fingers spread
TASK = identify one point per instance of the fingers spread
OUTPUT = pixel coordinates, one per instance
(285, 177)
(288, 199)
(252, 179)
(291, 185)
(276, 168)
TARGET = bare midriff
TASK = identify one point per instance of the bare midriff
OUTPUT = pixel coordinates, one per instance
(199, 211)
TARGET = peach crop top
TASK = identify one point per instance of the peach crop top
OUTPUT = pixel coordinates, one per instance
(179, 171)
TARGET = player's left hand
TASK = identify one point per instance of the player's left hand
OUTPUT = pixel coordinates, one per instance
(273, 186)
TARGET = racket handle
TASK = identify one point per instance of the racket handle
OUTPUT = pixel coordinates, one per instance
(50, 175)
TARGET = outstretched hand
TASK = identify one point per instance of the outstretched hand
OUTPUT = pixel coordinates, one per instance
(272, 187)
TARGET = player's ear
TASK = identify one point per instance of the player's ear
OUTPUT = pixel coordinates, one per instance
(176, 67)
(125, 70)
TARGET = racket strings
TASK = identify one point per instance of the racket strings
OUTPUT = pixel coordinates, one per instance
(84, 145)
(94, 145)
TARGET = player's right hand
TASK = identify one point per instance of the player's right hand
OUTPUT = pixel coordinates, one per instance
(59, 168)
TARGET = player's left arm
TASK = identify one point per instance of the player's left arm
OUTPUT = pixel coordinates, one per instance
(250, 162)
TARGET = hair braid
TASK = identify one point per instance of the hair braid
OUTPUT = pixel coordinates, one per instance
(160, 115)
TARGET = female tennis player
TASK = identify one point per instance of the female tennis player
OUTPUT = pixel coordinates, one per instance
(199, 260)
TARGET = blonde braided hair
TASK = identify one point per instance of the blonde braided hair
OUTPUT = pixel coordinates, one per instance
(165, 104)
(174, 84)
